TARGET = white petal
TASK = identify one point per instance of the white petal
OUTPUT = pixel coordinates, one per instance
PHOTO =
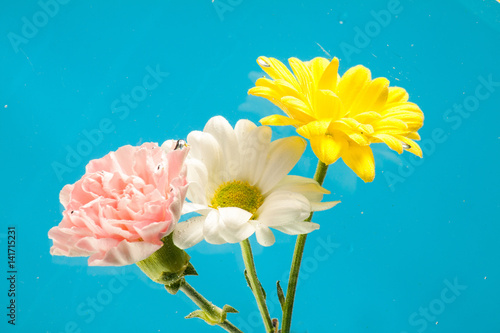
(205, 148)
(319, 206)
(306, 186)
(222, 131)
(190, 207)
(283, 155)
(189, 233)
(282, 207)
(212, 228)
(243, 128)
(265, 236)
(309, 188)
(298, 228)
(236, 225)
(197, 176)
(254, 151)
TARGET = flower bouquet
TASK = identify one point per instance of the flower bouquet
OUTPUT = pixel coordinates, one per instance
(234, 181)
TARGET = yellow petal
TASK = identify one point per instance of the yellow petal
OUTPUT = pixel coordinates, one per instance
(303, 75)
(360, 139)
(367, 117)
(390, 126)
(391, 141)
(328, 105)
(287, 89)
(317, 67)
(352, 83)
(269, 94)
(413, 136)
(360, 160)
(265, 92)
(279, 120)
(314, 129)
(330, 77)
(297, 109)
(397, 94)
(277, 70)
(401, 107)
(265, 82)
(372, 98)
(350, 126)
(414, 148)
(412, 120)
(327, 148)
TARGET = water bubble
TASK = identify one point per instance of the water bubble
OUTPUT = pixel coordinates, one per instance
(180, 144)
(263, 63)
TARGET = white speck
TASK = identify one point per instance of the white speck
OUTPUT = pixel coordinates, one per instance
(5, 106)
(436, 322)
(341, 22)
(324, 50)
(485, 277)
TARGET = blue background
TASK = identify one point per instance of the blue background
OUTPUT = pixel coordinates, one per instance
(394, 244)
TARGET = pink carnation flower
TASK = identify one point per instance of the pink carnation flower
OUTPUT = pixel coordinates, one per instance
(126, 202)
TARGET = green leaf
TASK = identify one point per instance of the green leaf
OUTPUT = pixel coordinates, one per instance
(248, 279)
(229, 309)
(250, 285)
(204, 316)
(213, 317)
(281, 295)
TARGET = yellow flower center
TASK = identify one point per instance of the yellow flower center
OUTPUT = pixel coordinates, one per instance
(239, 194)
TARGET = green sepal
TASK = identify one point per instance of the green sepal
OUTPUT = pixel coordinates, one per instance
(173, 288)
(168, 265)
(190, 270)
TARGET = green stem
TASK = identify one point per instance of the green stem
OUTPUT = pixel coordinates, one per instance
(207, 306)
(246, 251)
(319, 176)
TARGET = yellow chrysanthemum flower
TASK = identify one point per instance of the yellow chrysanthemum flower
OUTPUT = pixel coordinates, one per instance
(340, 116)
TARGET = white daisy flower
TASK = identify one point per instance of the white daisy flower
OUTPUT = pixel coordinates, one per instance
(239, 184)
